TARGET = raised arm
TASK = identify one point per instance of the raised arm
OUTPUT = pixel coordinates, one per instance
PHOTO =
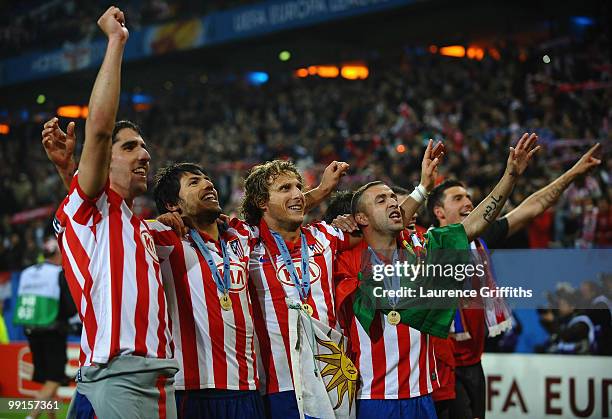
(539, 201)
(329, 181)
(487, 211)
(429, 173)
(103, 104)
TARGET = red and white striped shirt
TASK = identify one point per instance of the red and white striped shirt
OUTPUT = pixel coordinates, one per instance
(395, 362)
(215, 348)
(271, 283)
(113, 274)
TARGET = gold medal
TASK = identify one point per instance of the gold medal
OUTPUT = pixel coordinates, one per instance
(394, 318)
(307, 308)
(226, 302)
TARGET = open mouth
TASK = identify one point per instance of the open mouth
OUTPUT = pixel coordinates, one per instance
(296, 207)
(210, 196)
(140, 171)
(465, 213)
(395, 215)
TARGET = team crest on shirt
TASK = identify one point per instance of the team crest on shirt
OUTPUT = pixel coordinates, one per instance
(149, 244)
(283, 274)
(236, 248)
(316, 248)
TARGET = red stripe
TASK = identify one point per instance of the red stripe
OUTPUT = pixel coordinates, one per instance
(277, 293)
(215, 325)
(354, 348)
(240, 335)
(162, 314)
(405, 364)
(141, 312)
(189, 345)
(82, 262)
(423, 378)
(253, 359)
(161, 403)
(265, 346)
(432, 363)
(116, 271)
(379, 364)
(327, 290)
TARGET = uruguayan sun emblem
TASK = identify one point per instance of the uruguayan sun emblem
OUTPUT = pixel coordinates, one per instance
(341, 368)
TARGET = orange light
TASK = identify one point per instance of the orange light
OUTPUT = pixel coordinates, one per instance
(475, 53)
(84, 111)
(494, 53)
(301, 72)
(401, 148)
(141, 107)
(328, 71)
(4, 129)
(354, 72)
(70, 111)
(433, 49)
(312, 70)
(453, 51)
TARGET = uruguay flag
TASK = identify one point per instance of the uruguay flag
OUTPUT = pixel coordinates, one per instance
(324, 378)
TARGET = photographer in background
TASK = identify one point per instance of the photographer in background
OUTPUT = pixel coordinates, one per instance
(44, 307)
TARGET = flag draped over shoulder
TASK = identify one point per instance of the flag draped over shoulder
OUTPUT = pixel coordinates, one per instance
(324, 378)
(445, 246)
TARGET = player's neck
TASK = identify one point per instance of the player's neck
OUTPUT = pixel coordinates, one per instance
(290, 232)
(211, 229)
(380, 241)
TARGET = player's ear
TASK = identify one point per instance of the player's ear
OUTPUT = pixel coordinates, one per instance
(262, 205)
(362, 219)
(438, 212)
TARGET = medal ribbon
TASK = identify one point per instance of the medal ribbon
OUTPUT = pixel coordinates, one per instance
(303, 285)
(395, 280)
(223, 284)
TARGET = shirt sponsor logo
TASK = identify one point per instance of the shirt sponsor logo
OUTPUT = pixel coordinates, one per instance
(283, 274)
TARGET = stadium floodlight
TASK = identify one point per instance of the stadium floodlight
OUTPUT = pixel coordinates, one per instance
(5, 129)
(73, 111)
(546, 59)
(284, 55)
(257, 78)
(453, 51)
(40, 99)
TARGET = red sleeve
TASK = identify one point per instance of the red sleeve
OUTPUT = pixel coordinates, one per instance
(346, 282)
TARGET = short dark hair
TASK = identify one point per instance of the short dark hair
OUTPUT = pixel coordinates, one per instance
(436, 198)
(356, 201)
(339, 204)
(119, 125)
(398, 190)
(167, 183)
(257, 187)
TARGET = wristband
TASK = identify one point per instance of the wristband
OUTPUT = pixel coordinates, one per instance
(419, 194)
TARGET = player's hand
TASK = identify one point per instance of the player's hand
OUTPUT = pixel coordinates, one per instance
(223, 219)
(112, 23)
(332, 175)
(59, 145)
(429, 166)
(521, 155)
(587, 161)
(345, 223)
(175, 222)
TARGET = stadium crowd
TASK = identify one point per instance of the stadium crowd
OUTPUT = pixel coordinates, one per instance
(35, 25)
(378, 125)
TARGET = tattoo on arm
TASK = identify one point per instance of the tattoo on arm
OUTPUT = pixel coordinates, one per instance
(550, 196)
(490, 213)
